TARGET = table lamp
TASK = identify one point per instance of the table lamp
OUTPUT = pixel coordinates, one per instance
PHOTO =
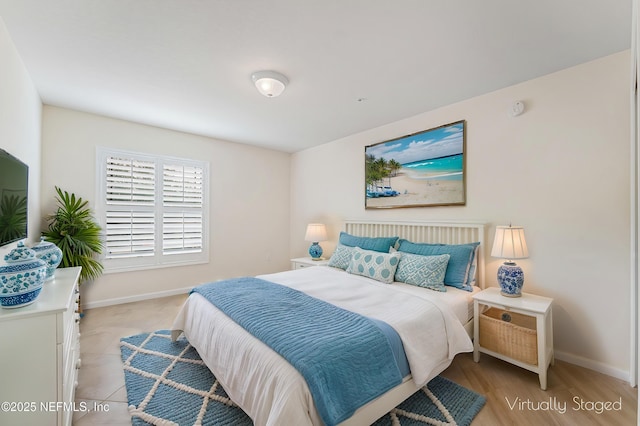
(316, 232)
(509, 243)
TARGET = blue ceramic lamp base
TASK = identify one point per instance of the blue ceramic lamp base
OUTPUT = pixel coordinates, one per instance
(511, 279)
(315, 251)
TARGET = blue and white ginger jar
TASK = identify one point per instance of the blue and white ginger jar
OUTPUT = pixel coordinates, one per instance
(51, 254)
(21, 279)
(511, 279)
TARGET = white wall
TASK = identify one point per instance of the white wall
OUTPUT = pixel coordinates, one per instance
(249, 212)
(561, 170)
(20, 122)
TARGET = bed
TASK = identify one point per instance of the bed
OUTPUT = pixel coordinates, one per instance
(273, 392)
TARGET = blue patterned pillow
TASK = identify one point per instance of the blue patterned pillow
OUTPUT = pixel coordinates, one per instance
(341, 257)
(472, 279)
(461, 258)
(372, 264)
(380, 244)
(423, 271)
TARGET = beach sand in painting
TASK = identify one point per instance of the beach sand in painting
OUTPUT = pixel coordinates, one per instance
(415, 192)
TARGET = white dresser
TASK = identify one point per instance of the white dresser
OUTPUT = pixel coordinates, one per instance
(39, 355)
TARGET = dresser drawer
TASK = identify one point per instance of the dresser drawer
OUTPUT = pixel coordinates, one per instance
(70, 376)
(69, 384)
(70, 321)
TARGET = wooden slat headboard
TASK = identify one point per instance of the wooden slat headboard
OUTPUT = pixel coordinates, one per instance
(426, 232)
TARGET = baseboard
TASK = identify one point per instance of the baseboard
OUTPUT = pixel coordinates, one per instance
(593, 365)
(136, 298)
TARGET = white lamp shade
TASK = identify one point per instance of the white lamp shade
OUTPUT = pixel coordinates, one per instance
(270, 83)
(316, 232)
(509, 243)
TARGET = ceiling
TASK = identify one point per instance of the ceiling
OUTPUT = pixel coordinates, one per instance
(352, 65)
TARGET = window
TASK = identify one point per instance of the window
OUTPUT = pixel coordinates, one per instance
(153, 210)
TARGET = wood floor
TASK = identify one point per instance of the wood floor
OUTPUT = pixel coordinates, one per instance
(575, 396)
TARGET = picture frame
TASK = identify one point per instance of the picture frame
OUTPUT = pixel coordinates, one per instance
(423, 169)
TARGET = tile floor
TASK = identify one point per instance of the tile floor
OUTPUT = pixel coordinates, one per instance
(101, 379)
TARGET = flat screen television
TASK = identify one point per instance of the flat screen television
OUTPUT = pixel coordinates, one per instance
(14, 185)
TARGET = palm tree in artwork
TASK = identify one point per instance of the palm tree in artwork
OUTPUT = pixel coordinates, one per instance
(382, 166)
(394, 167)
(378, 169)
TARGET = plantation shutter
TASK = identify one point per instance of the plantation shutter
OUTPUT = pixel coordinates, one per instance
(130, 215)
(182, 196)
(153, 210)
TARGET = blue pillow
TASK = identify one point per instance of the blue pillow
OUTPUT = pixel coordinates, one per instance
(471, 279)
(460, 259)
(381, 244)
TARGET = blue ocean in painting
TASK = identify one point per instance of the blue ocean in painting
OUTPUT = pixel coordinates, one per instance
(443, 168)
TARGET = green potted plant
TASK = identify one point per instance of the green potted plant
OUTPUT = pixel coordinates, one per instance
(75, 231)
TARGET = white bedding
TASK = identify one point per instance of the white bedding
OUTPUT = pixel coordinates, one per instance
(459, 301)
(269, 389)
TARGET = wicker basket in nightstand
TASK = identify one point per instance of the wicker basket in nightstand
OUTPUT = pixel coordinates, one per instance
(510, 334)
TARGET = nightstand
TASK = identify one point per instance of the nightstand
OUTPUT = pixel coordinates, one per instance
(518, 330)
(305, 262)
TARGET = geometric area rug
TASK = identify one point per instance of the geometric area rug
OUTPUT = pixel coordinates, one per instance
(168, 384)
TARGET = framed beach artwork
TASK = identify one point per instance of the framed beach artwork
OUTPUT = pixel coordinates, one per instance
(423, 169)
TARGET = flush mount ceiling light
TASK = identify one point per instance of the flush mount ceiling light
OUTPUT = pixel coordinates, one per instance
(269, 83)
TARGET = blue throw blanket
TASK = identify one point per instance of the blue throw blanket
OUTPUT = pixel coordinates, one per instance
(344, 357)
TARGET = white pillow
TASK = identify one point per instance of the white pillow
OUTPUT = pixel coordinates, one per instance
(373, 264)
(423, 271)
(341, 257)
